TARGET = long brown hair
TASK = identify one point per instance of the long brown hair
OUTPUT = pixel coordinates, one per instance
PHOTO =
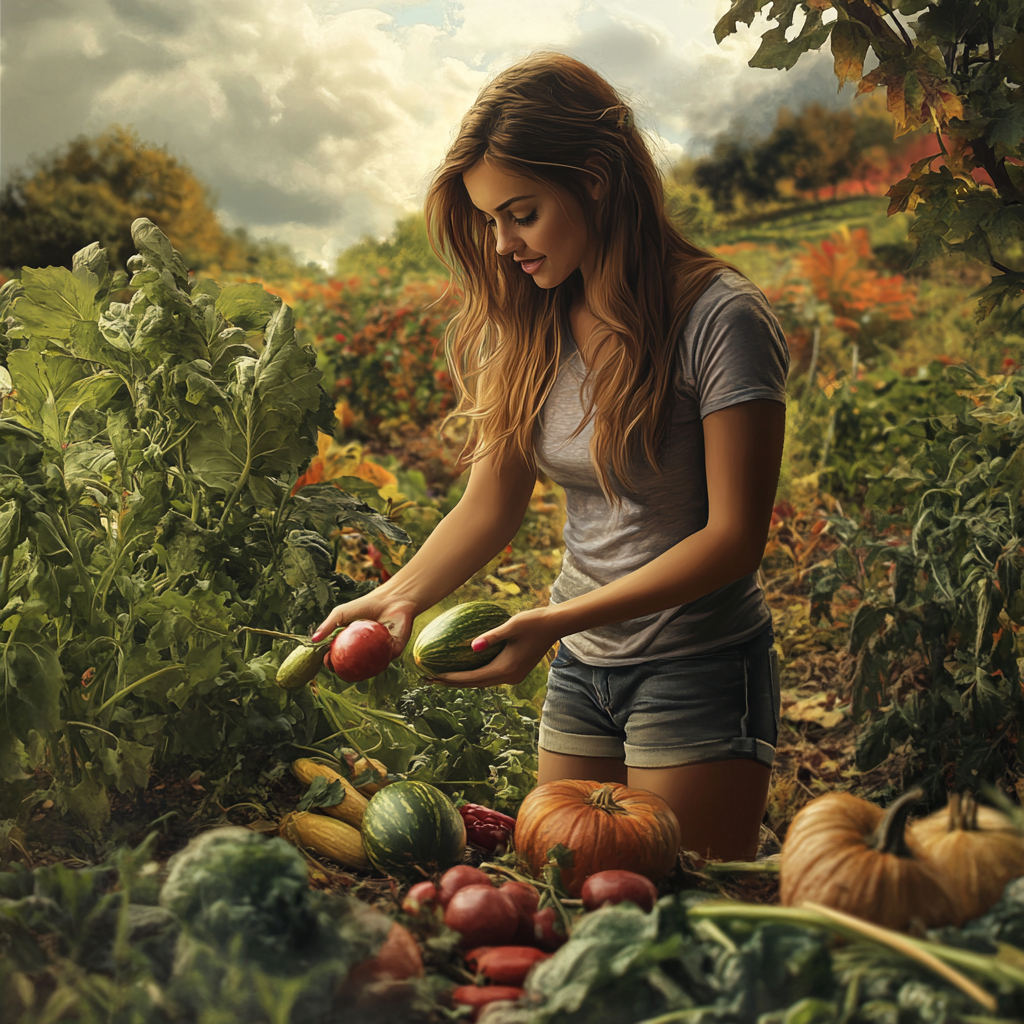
(554, 119)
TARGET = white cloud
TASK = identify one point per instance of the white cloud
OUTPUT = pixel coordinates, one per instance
(318, 121)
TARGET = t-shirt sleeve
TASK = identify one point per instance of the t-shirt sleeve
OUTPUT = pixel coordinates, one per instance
(738, 351)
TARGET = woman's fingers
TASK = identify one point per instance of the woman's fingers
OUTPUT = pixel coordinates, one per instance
(331, 623)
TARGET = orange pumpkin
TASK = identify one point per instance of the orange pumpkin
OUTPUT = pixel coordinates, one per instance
(977, 847)
(849, 854)
(606, 825)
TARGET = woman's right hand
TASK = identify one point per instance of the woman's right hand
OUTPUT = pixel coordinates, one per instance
(394, 613)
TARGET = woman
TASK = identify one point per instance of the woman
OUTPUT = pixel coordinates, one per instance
(648, 379)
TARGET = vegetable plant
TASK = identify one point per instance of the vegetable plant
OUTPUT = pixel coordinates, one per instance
(935, 573)
(147, 530)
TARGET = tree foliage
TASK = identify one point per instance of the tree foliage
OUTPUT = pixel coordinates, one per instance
(406, 253)
(814, 148)
(954, 66)
(94, 189)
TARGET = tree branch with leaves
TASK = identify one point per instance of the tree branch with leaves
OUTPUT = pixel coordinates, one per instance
(955, 67)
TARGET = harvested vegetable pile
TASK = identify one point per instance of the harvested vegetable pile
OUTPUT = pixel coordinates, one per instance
(232, 932)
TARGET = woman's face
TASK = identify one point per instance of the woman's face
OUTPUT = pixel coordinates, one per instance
(538, 225)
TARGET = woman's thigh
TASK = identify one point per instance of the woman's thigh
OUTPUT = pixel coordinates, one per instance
(553, 767)
(719, 804)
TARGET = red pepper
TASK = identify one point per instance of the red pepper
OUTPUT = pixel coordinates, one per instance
(485, 816)
(490, 837)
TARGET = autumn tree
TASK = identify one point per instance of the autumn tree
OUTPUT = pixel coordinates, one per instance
(93, 189)
(955, 67)
(814, 148)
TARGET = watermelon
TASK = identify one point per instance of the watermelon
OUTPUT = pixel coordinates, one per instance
(443, 645)
(411, 830)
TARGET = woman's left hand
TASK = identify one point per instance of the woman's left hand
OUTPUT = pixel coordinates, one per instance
(528, 637)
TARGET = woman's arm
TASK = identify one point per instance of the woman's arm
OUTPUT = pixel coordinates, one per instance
(484, 520)
(743, 454)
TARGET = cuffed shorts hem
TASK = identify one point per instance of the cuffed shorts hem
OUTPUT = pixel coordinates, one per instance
(577, 745)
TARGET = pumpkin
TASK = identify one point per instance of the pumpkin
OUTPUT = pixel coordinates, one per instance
(605, 825)
(849, 854)
(977, 847)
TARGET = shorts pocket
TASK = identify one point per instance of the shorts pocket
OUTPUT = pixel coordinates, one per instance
(563, 657)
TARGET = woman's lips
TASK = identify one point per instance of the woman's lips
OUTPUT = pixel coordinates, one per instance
(531, 265)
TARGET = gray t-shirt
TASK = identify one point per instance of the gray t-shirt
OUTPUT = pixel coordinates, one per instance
(732, 350)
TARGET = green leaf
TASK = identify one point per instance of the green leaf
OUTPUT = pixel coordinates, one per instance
(247, 306)
(776, 51)
(126, 765)
(1007, 128)
(31, 681)
(324, 507)
(322, 794)
(867, 620)
(43, 383)
(156, 249)
(269, 426)
(741, 10)
(55, 300)
(87, 801)
(10, 527)
(562, 856)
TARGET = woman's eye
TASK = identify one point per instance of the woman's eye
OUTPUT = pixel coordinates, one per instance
(524, 222)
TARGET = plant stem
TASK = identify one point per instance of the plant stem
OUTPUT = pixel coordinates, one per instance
(889, 836)
(928, 954)
(297, 637)
(342, 731)
(742, 867)
(86, 725)
(134, 686)
(5, 578)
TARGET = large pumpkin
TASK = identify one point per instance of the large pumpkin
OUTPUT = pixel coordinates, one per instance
(606, 825)
(977, 847)
(849, 854)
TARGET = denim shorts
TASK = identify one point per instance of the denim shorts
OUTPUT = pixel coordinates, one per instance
(667, 712)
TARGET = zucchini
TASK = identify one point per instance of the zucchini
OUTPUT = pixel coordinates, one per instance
(351, 809)
(327, 837)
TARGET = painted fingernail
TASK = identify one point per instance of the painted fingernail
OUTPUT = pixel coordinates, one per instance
(480, 645)
(315, 636)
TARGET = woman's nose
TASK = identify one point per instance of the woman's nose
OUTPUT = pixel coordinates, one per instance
(504, 240)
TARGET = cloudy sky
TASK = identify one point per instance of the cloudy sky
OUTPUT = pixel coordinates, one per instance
(320, 121)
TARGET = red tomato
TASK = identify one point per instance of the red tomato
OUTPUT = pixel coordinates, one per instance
(482, 915)
(505, 965)
(548, 929)
(397, 959)
(421, 895)
(525, 898)
(457, 878)
(615, 886)
(479, 996)
(360, 651)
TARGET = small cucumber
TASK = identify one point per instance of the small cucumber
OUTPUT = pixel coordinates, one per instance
(301, 666)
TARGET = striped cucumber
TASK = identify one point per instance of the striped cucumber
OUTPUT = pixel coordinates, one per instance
(443, 645)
